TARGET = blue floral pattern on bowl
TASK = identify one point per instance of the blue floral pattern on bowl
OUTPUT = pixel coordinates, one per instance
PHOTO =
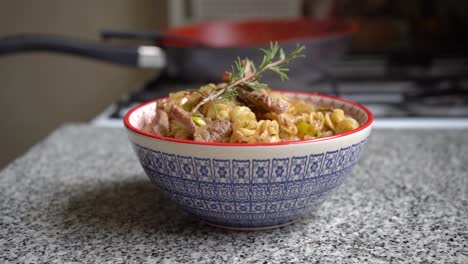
(249, 193)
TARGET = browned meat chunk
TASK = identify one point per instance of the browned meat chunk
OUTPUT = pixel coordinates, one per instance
(263, 102)
(184, 118)
(161, 123)
(216, 132)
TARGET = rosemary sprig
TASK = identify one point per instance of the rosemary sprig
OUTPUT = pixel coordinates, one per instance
(245, 74)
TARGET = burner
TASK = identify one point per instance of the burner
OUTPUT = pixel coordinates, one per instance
(441, 106)
(419, 87)
(443, 99)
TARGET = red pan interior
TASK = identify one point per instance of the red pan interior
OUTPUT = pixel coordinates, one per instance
(258, 32)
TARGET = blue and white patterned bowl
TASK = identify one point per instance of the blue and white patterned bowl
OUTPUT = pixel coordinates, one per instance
(250, 185)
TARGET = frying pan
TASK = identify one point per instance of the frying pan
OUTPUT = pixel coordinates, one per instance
(201, 52)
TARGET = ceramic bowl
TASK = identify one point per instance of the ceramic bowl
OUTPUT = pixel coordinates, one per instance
(250, 185)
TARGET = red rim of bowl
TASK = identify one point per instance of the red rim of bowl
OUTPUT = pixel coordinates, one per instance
(368, 123)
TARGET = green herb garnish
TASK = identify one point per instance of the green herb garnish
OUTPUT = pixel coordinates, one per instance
(303, 127)
(245, 74)
(306, 129)
(198, 121)
(321, 109)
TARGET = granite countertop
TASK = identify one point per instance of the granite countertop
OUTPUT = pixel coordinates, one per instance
(81, 196)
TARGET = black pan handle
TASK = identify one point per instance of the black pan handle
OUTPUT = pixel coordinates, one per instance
(141, 56)
(107, 34)
(155, 36)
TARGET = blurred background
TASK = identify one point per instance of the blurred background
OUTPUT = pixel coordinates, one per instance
(40, 91)
(407, 60)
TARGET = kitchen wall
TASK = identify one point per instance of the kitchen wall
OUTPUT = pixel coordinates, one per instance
(39, 92)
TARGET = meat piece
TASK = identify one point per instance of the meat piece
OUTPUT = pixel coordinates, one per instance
(184, 118)
(263, 102)
(215, 132)
(160, 123)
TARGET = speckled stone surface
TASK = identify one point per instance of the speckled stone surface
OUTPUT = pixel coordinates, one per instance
(81, 196)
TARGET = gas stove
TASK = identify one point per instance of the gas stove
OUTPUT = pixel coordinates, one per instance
(401, 92)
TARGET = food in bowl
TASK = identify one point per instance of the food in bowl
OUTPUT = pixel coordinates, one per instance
(236, 121)
(243, 110)
(251, 185)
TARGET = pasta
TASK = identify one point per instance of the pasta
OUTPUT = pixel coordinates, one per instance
(217, 110)
(251, 117)
(244, 125)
